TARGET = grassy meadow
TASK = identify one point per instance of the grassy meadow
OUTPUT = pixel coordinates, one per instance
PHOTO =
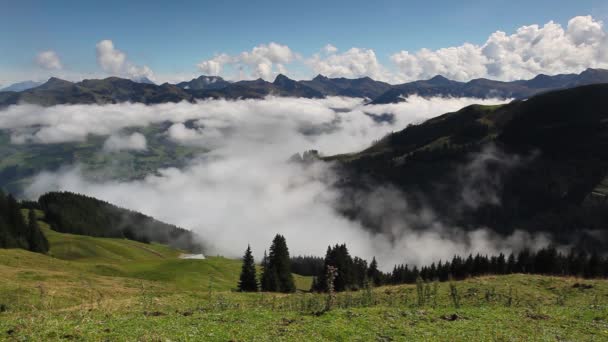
(100, 289)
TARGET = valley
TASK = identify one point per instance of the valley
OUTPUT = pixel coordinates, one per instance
(303, 171)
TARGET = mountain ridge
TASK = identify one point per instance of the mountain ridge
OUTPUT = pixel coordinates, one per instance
(117, 90)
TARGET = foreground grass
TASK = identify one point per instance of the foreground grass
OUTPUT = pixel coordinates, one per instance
(539, 308)
(118, 290)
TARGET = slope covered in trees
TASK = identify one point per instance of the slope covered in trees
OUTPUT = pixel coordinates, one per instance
(78, 214)
(15, 231)
(536, 165)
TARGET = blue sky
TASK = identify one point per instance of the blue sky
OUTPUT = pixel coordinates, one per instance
(172, 37)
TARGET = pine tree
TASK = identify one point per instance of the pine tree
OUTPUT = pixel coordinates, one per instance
(36, 239)
(248, 281)
(277, 275)
(373, 273)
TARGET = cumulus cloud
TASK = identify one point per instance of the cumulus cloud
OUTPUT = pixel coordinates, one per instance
(352, 63)
(243, 190)
(523, 54)
(115, 62)
(263, 61)
(214, 66)
(119, 142)
(48, 60)
(531, 50)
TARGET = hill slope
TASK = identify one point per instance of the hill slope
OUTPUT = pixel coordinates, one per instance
(489, 308)
(78, 214)
(535, 165)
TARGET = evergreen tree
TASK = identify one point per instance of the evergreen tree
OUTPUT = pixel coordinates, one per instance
(248, 281)
(360, 272)
(36, 239)
(277, 275)
(15, 232)
(373, 273)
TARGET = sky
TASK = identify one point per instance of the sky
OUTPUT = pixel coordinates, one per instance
(387, 40)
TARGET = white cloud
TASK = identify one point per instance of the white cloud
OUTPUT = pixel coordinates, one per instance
(353, 63)
(246, 171)
(330, 49)
(529, 51)
(263, 61)
(115, 62)
(49, 60)
(214, 66)
(119, 142)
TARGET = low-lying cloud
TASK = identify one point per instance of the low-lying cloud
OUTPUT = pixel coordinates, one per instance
(244, 190)
(121, 142)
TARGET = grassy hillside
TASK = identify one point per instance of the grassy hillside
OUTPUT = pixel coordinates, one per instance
(505, 308)
(112, 289)
(89, 249)
(114, 262)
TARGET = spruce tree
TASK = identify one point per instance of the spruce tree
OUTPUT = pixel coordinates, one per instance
(36, 239)
(277, 275)
(373, 273)
(248, 281)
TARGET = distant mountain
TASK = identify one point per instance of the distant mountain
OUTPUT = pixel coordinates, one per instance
(109, 90)
(115, 90)
(204, 83)
(144, 80)
(21, 86)
(539, 165)
(359, 87)
(484, 88)
(282, 86)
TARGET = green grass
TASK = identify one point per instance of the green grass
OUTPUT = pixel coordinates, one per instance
(89, 249)
(113, 289)
(541, 309)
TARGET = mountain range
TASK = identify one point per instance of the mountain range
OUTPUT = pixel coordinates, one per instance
(115, 90)
(21, 86)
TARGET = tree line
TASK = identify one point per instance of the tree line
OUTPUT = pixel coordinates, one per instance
(276, 270)
(546, 261)
(68, 212)
(354, 273)
(15, 231)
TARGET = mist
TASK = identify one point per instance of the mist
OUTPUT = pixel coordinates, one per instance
(244, 190)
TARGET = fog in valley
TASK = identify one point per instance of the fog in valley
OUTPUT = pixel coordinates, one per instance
(245, 190)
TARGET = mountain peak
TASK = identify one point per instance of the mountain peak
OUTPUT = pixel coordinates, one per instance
(145, 80)
(282, 79)
(593, 71)
(21, 86)
(320, 77)
(438, 79)
(55, 82)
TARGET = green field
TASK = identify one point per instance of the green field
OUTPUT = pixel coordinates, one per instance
(19, 163)
(113, 290)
